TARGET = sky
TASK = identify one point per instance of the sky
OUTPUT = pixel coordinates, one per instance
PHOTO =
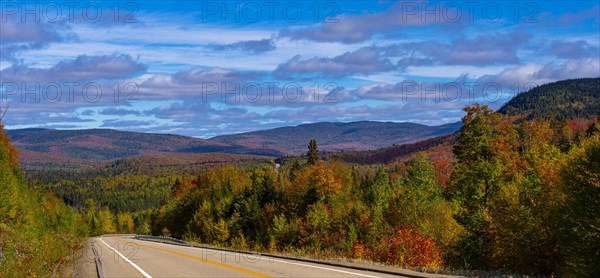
(207, 68)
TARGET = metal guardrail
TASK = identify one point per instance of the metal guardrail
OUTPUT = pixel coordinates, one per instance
(161, 239)
(118, 235)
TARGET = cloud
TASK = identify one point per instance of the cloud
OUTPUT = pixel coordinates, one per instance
(192, 111)
(14, 31)
(180, 111)
(83, 68)
(480, 50)
(415, 92)
(88, 112)
(197, 83)
(354, 28)
(533, 73)
(19, 36)
(252, 46)
(464, 90)
(576, 17)
(575, 68)
(125, 123)
(42, 118)
(425, 113)
(573, 49)
(361, 61)
(235, 88)
(119, 112)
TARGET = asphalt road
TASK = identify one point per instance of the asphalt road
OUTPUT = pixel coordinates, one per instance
(127, 257)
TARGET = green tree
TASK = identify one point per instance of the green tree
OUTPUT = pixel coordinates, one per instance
(420, 188)
(593, 129)
(313, 152)
(581, 212)
(475, 178)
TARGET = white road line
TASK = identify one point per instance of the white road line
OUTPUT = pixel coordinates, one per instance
(128, 260)
(326, 268)
(300, 264)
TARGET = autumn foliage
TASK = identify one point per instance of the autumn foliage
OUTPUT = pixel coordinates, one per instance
(13, 154)
(409, 248)
(505, 194)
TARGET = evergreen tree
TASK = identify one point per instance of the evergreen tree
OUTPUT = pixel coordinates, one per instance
(313, 152)
(593, 129)
(475, 178)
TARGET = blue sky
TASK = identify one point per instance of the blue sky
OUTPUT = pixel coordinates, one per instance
(206, 68)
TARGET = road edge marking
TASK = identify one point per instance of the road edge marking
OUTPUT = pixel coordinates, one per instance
(303, 264)
(327, 268)
(128, 260)
(192, 257)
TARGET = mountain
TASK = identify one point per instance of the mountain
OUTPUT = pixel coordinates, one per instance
(104, 144)
(566, 99)
(394, 153)
(73, 148)
(80, 147)
(365, 135)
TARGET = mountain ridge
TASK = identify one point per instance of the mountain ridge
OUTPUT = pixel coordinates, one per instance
(42, 146)
(337, 136)
(565, 99)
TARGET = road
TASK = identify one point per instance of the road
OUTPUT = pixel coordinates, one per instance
(128, 257)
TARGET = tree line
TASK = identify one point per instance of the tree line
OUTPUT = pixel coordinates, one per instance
(513, 195)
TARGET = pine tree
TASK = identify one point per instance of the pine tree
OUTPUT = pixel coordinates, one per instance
(593, 129)
(475, 178)
(313, 152)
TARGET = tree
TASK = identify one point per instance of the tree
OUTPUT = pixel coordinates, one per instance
(580, 235)
(593, 129)
(475, 179)
(420, 187)
(313, 152)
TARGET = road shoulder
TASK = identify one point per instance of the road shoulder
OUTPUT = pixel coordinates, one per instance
(85, 265)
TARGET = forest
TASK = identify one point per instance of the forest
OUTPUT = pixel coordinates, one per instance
(38, 232)
(507, 194)
(562, 100)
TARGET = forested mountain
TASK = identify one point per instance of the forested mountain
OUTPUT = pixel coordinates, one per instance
(75, 148)
(365, 135)
(104, 144)
(391, 154)
(566, 99)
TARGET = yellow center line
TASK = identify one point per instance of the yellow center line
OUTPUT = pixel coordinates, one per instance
(235, 268)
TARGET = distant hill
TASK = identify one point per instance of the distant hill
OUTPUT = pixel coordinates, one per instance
(80, 147)
(331, 137)
(42, 148)
(394, 153)
(565, 99)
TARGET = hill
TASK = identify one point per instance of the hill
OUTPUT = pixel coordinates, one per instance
(74, 148)
(331, 137)
(42, 148)
(566, 99)
(394, 153)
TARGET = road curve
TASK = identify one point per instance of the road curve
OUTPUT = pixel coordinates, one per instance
(128, 257)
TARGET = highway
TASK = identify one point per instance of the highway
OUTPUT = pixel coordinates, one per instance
(128, 257)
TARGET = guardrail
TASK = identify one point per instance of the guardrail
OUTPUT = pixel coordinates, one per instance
(161, 239)
(118, 235)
